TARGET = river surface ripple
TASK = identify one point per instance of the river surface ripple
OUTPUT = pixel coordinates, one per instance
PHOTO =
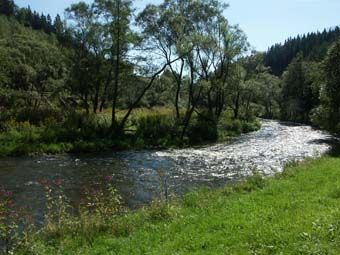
(141, 176)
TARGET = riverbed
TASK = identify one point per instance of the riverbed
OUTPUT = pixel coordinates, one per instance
(141, 176)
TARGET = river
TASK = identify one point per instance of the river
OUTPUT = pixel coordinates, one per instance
(141, 176)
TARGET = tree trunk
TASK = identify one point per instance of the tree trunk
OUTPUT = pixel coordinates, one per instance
(237, 106)
(87, 107)
(178, 89)
(97, 88)
(96, 101)
(117, 70)
(192, 102)
(139, 98)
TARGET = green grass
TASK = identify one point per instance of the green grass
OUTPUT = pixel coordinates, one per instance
(297, 212)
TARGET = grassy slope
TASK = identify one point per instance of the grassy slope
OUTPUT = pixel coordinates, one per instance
(297, 212)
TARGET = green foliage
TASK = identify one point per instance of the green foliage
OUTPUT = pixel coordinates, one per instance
(46, 82)
(299, 96)
(164, 130)
(202, 130)
(332, 86)
(157, 130)
(229, 127)
(77, 132)
(7, 7)
(80, 132)
(251, 126)
(32, 71)
(312, 46)
(309, 85)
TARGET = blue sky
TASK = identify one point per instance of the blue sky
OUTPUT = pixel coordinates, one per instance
(264, 21)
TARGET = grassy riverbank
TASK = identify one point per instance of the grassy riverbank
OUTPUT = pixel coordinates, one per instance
(297, 212)
(79, 132)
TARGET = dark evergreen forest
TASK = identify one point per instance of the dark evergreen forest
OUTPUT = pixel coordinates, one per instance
(313, 47)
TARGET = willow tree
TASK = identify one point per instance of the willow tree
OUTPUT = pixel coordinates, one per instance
(197, 33)
(116, 17)
(162, 29)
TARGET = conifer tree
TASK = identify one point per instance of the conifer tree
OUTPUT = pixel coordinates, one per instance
(7, 7)
(58, 26)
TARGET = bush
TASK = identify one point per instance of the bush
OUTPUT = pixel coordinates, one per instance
(202, 130)
(40, 115)
(232, 126)
(250, 126)
(157, 130)
(81, 132)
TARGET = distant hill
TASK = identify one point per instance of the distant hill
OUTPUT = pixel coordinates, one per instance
(313, 46)
(32, 63)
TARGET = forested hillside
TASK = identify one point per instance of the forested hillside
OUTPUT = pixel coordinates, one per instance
(310, 81)
(312, 46)
(32, 67)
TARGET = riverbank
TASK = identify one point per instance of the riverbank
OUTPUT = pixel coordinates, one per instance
(296, 212)
(147, 129)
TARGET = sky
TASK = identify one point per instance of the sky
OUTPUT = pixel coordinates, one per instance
(265, 22)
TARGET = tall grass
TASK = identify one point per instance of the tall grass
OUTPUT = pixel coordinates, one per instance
(81, 132)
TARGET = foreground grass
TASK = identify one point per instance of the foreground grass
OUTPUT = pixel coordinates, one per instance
(297, 212)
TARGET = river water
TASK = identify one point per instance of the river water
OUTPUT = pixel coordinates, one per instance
(141, 176)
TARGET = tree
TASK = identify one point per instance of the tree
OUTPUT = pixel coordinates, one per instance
(161, 29)
(88, 54)
(268, 91)
(297, 93)
(32, 71)
(312, 46)
(117, 15)
(7, 7)
(332, 85)
(49, 25)
(58, 26)
(204, 44)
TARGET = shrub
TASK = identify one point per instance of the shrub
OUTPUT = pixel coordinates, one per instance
(157, 130)
(202, 130)
(250, 126)
(40, 115)
(233, 126)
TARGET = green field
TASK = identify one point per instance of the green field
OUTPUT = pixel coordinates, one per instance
(297, 212)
